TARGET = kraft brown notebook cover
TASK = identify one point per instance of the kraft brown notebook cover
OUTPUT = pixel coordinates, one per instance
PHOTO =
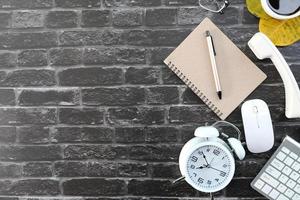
(238, 75)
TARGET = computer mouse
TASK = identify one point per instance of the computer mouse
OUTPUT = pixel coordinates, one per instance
(258, 126)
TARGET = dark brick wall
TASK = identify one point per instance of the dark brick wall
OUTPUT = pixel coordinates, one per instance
(89, 111)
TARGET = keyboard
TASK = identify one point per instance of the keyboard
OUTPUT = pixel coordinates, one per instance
(279, 179)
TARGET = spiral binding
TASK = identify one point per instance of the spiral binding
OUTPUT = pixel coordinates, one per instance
(194, 89)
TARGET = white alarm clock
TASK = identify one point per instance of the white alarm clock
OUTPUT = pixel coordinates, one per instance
(207, 162)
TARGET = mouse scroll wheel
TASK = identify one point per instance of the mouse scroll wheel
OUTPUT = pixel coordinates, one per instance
(255, 109)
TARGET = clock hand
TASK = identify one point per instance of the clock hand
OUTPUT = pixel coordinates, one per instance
(201, 167)
(205, 159)
(216, 169)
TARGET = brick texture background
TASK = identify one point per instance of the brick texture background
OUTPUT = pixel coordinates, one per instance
(89, 111)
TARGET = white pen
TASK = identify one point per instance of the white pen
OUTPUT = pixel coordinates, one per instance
(212, 54)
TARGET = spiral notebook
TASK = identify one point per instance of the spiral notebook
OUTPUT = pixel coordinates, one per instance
(238, 75)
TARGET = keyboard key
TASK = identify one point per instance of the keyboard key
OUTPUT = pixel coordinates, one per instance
(289, 193)
(272, 171)
(259, 184)
(282, 197)
(294, 175)
(291, 183)
(277, 164)
(296, 197)
(281, 156)
(269, 179)
(297, 188)
(266, 189)
(274, 194)
(281, 188)
(283, 178)
(285, 150)
(286, 170)
(288, 161)
(296, 166)
(293, 155)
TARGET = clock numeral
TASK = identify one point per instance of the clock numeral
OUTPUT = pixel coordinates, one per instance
(224, 166)
(192, 166)
(223, 174)
(208, 182)
(208, 150)
(200, 153)
(194, 159)
(216, 152)
(195, 174)
(200, 180)
(216, 179)
(224, 157)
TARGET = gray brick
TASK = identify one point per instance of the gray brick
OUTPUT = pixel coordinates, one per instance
(29, 187)
(154, 152)
(158, 55)
(7, 60)
(187, 16)
(182, 2)
(90, 77)
(132, 170)
(95, 18)
(28, 19)
(248, 18)
(191, 114)
(85, 134)
(162, 95)
(27, 116)
(90, 187)
(28, 78)
(27, 40)
(94, 56)
(78, 3)
(156, 37)
(127, 3)
(189, 97)
(169, 77)
(165, 170)
(240, 35)
(30, 153)
(7, 134)
(7, 97)
(88, 169)
(48, 97)
(62, 57)
(33, 169)
(32, 58)
(80, 116)
(26, 4)
(10, 170)
(142, 75)
(231, 16)
(98, 37)
(33, 135)
(160, 17)
(127, 18)
(113, 96)
(133, 115)
(61, 19)
(83, 152)
(158, 188)
(146, 134)
(5, 20)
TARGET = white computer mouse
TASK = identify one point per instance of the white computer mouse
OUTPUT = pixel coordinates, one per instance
(258, 126)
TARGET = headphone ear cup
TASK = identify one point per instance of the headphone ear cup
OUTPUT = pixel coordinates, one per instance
(237, 147)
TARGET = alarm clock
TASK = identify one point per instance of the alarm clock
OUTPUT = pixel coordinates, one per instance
(207, 161)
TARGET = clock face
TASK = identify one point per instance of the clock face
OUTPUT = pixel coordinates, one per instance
(210, 168)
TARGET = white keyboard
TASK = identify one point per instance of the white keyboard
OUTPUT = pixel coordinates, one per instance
(279, 179)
